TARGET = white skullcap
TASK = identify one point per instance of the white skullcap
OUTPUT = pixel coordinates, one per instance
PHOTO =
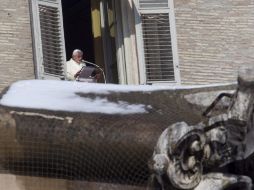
(77, 51)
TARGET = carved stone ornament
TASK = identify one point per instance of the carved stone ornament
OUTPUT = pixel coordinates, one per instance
(185, 154)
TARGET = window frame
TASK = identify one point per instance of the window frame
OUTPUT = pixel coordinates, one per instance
(37, 38)
(140, 42)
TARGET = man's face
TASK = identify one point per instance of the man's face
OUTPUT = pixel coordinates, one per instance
(78, 57)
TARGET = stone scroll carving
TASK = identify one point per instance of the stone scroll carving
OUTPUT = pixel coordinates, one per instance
(185, 154)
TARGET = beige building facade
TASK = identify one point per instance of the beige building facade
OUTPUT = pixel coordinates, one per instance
(214, 38)
(16, 52)
(135, 41)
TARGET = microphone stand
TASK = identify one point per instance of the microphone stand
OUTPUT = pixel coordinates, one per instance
(97, 66)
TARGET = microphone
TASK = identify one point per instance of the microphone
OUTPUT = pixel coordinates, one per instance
(83, 61)
(97, 66)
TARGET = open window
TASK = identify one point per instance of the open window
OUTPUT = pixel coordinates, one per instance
(77, 24)
(157, 41)
(60, 26)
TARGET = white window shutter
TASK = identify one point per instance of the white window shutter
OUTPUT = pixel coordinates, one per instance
(159, 55)
(49, 39)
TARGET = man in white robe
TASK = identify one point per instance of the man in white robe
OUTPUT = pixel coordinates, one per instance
(74, 65)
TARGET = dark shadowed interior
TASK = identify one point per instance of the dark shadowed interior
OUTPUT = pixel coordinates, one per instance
(78, 27)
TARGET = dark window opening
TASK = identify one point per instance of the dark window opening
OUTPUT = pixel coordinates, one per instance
(78, 22)
(78, 28)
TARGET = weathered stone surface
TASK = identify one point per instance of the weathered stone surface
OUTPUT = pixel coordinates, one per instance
(91, 146)
(218, 181)
(204, 99)
(16, 182)
(210, 145)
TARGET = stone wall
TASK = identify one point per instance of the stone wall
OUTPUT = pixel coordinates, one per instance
(16, 58)
(214, 39)
(92, 146)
